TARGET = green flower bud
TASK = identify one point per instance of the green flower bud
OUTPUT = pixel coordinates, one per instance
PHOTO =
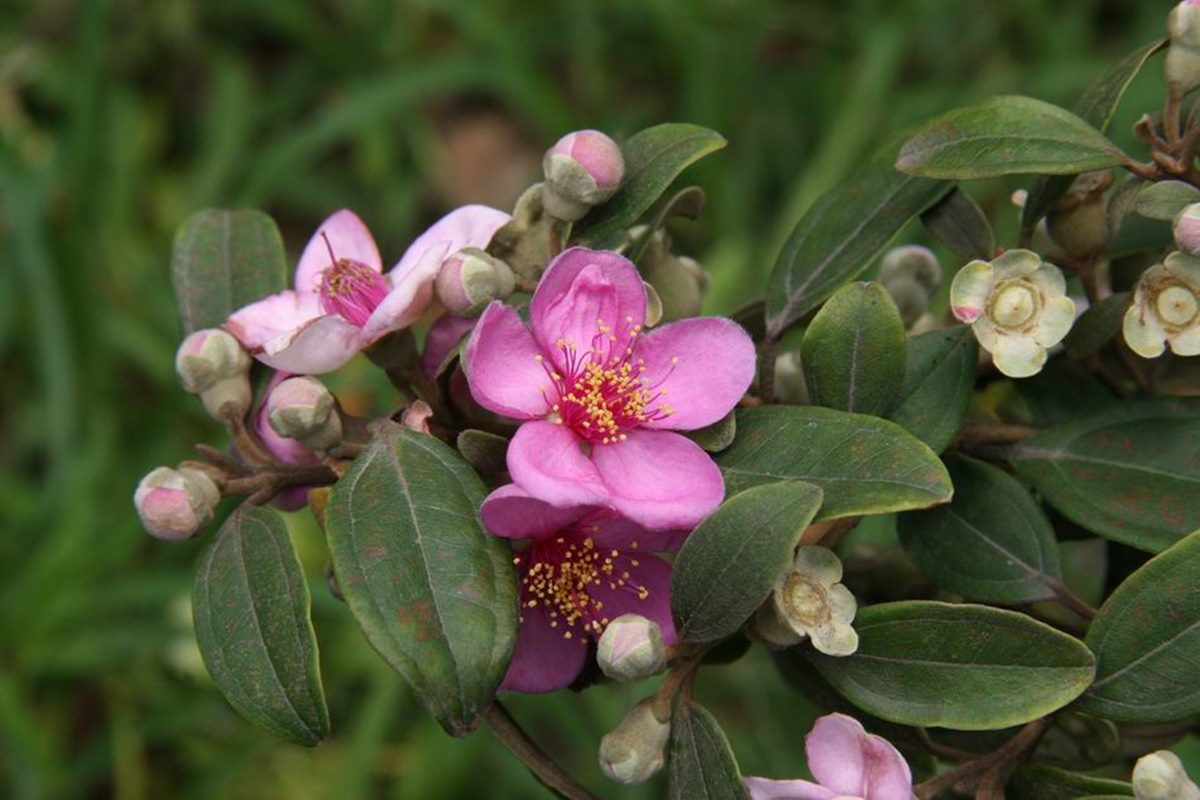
(633, 751)
(1078, 222)
(470, 279)
(910, 296)
(174, 504)
(631, 648)
(912, 261)
(583, 169)
(303, 409)
(212, 364)
(1182, 65)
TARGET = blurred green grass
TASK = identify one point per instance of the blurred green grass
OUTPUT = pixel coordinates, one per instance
(118, 118)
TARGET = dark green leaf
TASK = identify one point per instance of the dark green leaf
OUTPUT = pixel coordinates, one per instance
(1128, 472)
(730, 562)
(251, 608)
(223, 260)
(853, 351)
(716, 437)
(654, 158)
(1097, 326)
(1147, 641)
(865, 465)
(1005, 136)
(433, 593)
(484, 451)
(840, 235)
(1049, 783)
(966, 667)
(1165, 199)
(702, 766)
(959, 223)
(991, 542)
(939, 376)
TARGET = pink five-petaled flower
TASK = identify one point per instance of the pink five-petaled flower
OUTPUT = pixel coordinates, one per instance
(602, 399)
(342, 301)
(848, 763)
(584, 567)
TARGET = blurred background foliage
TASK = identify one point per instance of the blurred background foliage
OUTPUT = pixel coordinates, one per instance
(119, 117)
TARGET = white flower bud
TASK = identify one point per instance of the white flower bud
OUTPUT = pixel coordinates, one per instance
(583, 169)
(1166, 309)
(175, 503)
(1160, 776)
(209, 356)
(1187, 229)
(302, 408)
(912, 261)
(633, 751)
(812, 601)
(470, 279)
(1182, 65)
(631, 648)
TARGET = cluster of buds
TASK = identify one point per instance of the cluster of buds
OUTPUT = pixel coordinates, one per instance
(911, 274)
(583, 169)
(633, 752)
(213, 365)
(809, 601)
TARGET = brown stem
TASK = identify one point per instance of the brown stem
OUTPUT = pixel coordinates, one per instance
(548, 773)
(680, 675)
(1068, 598)
(1150, 172)
(995, 762)
(766, 370)
(1171, 111)
(976, 434)
(266, 483)
(247, 441)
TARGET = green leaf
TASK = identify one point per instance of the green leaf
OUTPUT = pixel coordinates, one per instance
(939, 377)
(865, 465)
(841, 234)
(484, 451)
(1005, 136)
(959, 223)
(1128, 472)
(1097, 326)
(251, 609)
(1165, 199)
(223, 260)
(992, 542)
(965, 667)
(1146, 638)
(433, 593)
(654, 158)
(730, 562)
(1049, 783)
(853, 351)
(716, 437)
(702, 766)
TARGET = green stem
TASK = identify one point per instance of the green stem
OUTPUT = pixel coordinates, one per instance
(548, 773)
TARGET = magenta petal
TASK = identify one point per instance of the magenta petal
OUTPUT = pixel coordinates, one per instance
(543, 660)
(702, 367)
(274, 316)
(320, 346)
(469, 226)
(512, 512)
(502, 363)
(652, 574)
(348, 238)
(660, 479)
(613, 532)
(545, 460)
(767, 789)
(581, 290)
(443, 337)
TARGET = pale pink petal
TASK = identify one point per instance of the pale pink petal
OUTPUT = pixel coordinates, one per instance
(504, 365)
(660, 479)
(410, 295)
(443, 337)
(700, 367)
(588, 301)
(836, 757)
(767, 789)
(287, 450)
(888, 775)
(512, 512)
(545, 460)
(348, 238)
(274, 316)
(319, 346)
(469, 226)
(646, 592)
(543, 660)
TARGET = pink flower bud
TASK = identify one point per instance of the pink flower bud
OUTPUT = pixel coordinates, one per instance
(1187, 229)
(302, 408)
(470, 279)
(209, 356)
(175, 503)
(633, 752)
(583, 169)
(631, 648)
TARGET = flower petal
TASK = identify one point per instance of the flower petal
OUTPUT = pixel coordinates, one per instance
(512, 512)
(653, 575)
(819, 564)
(1049, 279)
(410, 295)
(1186, 343)
(1018, 356)
(1143, 332)
(543, 660)
(545, 460)
(274, 316)
(1055, 320)
(834, 639)
(767, 789)
(289, 451)
(842, 604)
(888, 775)
(985, 333)
(836, 757)
(348, 238)
(319, 346)
(504, 367)
(701, 367)
(970, 289)
(444, 335)
(1015, 263)
(660, 478)
(589, 300)
(468, 226)
(1185, 267)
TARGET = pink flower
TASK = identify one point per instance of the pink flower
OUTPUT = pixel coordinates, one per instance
(584, 568)
(288, 451)
(848, 763)
(342, 301)
(602, 399)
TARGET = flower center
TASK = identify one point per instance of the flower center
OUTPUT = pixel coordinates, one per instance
(563, 575)
(603, 394)
(351, 290)
(1176, 305)
(805, 602)
(1014, 306)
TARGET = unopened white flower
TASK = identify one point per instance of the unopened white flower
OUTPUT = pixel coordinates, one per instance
(1160, 776)
(1017, 307)
(1166, 309)
(810, 600)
